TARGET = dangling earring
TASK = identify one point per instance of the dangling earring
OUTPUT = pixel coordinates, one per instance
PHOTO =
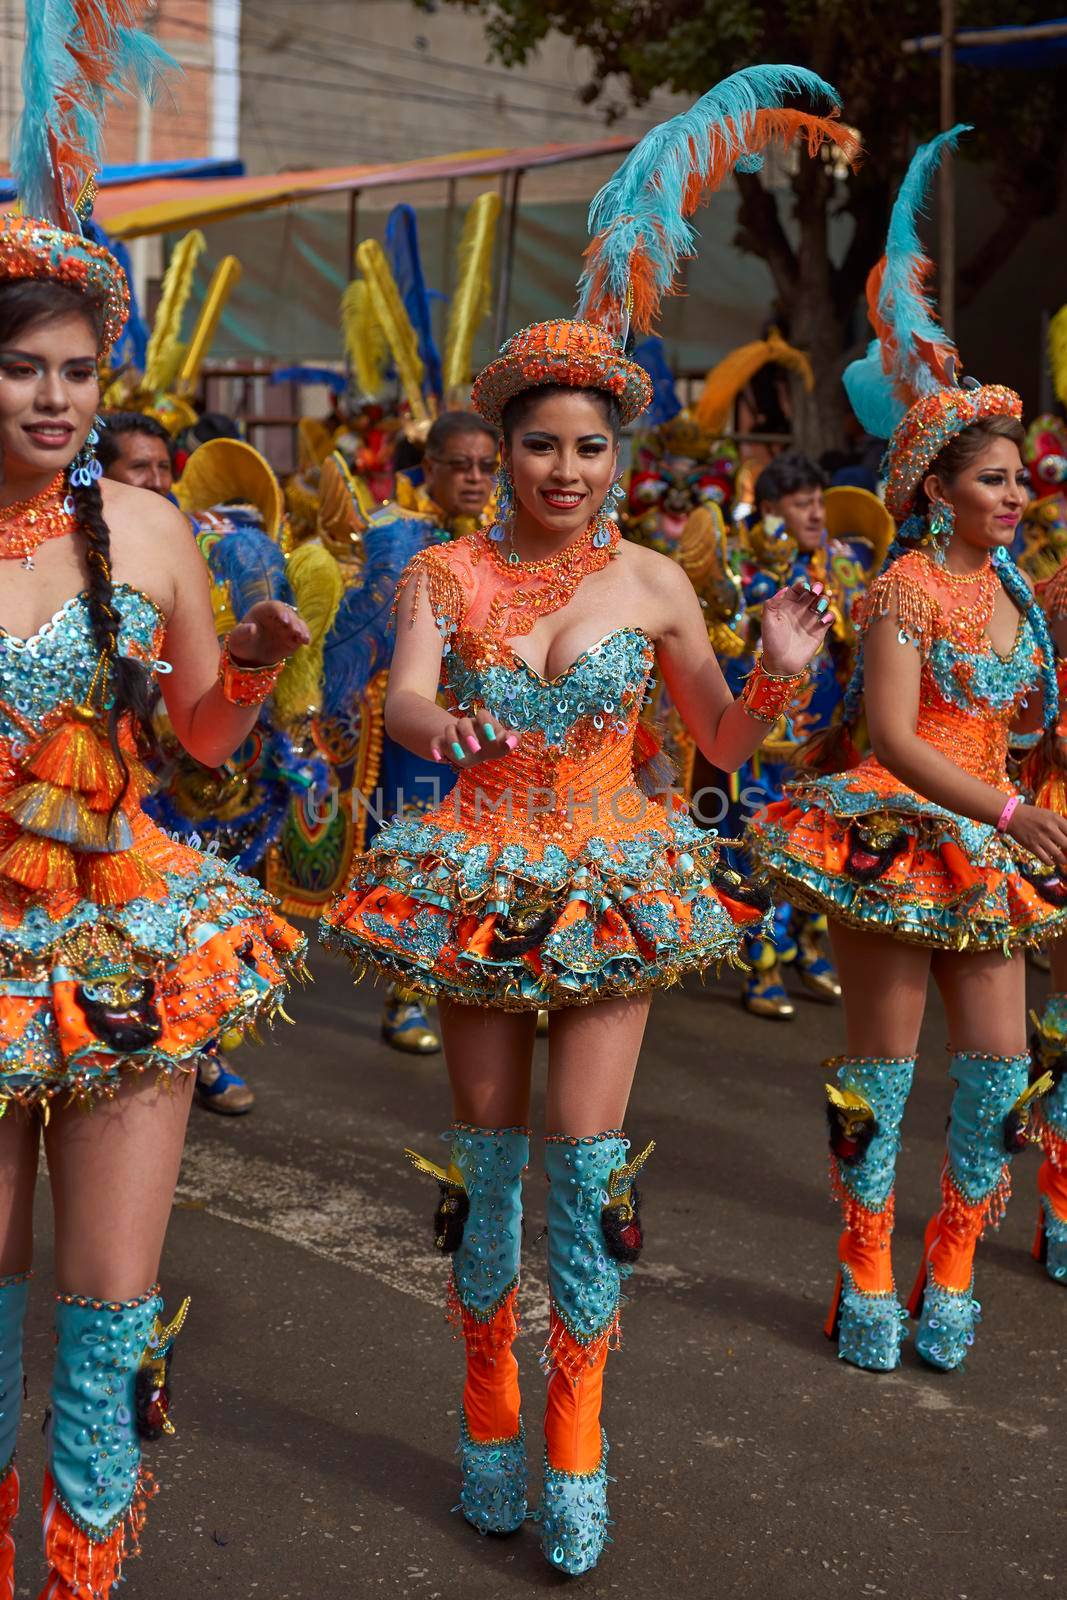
(85, 469)
(617, 492)
(505, 503)
(941, 524)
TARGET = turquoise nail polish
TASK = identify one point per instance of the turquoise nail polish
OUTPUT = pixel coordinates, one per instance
(457, 750)
(488, 730)
(823, 605)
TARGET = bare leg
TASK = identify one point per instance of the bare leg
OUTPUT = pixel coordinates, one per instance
(985, 999)
(489, 1055)
(114, 1170)
(20, 1140)
(883, 982)
(592, 1057)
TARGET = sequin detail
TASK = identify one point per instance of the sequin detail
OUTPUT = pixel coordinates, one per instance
(573, 1515)
(88, 991)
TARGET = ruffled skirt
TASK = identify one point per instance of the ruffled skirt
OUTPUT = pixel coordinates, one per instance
(869, 852)
(89, 992)
(548, 921)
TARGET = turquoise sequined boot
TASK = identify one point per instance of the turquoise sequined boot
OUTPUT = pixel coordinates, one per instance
(594, 1237)
(866, 1108)
(987, 1127)
(479, 1223)
(109, 1390)
(14, 1292)
(1050, 1055)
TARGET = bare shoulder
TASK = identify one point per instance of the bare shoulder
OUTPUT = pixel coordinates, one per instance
(654, 571)
(152, 543)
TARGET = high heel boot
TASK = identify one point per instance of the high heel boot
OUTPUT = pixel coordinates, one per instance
(987, 1127)
(14, 1292)
(479, 1223)
(594, 1238)
(865, 1110)
(109, 1391)
(1050, 1054)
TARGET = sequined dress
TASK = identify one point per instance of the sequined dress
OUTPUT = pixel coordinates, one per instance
(867, 850)
(547, 878)
(92, 984)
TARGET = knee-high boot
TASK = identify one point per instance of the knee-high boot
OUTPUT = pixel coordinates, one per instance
(479, 1222)
(865, 1110)
(1050, 1054)
(13, 1295)
(594, 1237)
(987, 1126)
(109, 1390)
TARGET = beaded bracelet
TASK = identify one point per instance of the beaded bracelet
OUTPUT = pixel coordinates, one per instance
(766, 695)
(244, 685)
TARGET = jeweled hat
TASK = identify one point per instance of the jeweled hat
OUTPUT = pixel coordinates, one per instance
(578, 355)
(927, 428)
(33, 248)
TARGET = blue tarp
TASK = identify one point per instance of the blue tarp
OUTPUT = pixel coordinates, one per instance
(208, 167)
(1022, 54)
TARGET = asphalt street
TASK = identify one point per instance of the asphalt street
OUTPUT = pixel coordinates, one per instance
(316, 1385)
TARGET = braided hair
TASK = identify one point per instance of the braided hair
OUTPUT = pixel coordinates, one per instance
(128, 685)
(832, 749)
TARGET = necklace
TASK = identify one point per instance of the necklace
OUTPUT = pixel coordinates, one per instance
(28, 523)
(533, 589)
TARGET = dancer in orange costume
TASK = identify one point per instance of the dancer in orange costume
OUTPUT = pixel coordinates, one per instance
(923, 856)
(121, 952)
(548, 878)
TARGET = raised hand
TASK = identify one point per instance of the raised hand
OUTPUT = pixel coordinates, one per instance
(793, 628)
(472, 740)
(269, 633)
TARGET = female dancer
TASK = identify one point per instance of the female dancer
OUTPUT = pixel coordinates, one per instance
(923, 855)
(548, 879)
(121, 952)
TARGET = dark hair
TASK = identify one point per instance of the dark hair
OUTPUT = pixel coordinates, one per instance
(120, 423)
(214, 425)
(828, 751)
(23, 304)
(450, 424)
(790, 473)
(521, 405)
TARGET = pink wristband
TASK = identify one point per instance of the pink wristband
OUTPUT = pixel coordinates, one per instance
(1010, 805)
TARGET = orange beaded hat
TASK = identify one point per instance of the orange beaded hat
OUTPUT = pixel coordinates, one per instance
(32, 248)
(642, 234)
(577, 354)
(905, 388)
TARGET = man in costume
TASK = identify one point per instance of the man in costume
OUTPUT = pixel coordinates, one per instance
(835, 538)
(135, 448)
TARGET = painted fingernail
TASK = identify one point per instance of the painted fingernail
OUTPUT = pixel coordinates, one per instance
(512, 740)
(823, 605)
(472, 743)
(436, 754)
(816, 588)
(488, 730)
(458, 750)
(826, 621)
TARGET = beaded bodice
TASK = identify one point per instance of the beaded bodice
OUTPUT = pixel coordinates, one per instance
(55, 667)
(969, 692)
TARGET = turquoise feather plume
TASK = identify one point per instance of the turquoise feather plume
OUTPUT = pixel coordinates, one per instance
(639, 218)
(67, 84)
(912, 353)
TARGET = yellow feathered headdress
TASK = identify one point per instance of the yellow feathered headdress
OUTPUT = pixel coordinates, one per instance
(473, 293)
(724, 383)
(165, 349)
(396, 325)
(228, 471)
(365, 342)
(1057, 354)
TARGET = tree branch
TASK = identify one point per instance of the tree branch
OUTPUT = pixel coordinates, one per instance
(760, 232)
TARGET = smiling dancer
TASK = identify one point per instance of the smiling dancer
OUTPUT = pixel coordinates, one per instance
(121, 952)
(548, 878)
(924, 856)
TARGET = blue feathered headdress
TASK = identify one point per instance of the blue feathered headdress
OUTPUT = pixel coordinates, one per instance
(402, 247)
(911, 355)
(639, 218)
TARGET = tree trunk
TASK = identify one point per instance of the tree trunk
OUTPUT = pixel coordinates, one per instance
(820, 419)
